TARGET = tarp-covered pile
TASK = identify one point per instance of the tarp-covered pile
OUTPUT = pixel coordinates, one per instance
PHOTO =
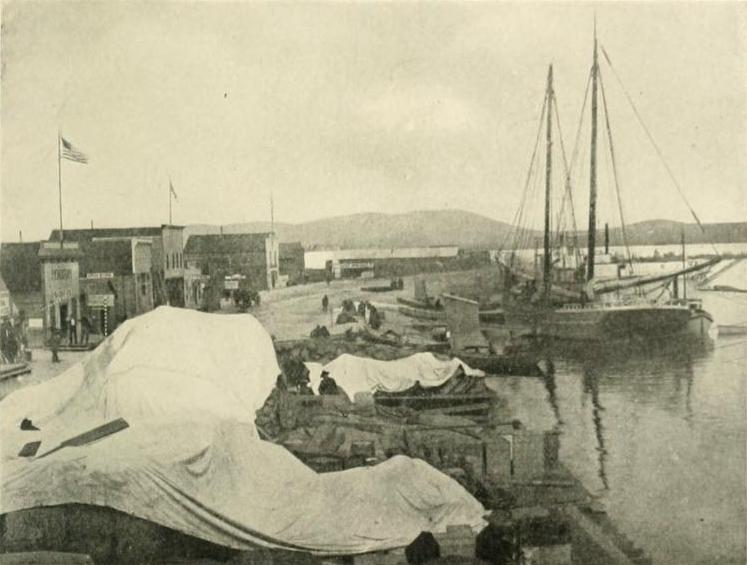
(189, 384)
(358, 374)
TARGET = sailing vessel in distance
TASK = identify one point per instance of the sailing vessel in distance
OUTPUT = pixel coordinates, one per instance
(565, 294)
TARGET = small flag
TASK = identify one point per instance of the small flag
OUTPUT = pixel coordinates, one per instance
(71, 153)
(171, 189)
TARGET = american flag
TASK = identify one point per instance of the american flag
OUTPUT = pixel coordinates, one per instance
(67, 151)
(171, 188)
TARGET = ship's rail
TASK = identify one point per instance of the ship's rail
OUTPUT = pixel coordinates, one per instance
(619, 306)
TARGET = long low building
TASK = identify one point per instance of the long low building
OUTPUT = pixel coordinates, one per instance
(398, 261)
(319, 259)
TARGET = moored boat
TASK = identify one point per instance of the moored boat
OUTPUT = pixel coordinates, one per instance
(565, 297)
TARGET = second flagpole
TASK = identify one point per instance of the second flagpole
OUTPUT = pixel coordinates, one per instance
(59, 186)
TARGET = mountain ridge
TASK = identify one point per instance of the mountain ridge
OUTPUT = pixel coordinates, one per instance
(428, 228)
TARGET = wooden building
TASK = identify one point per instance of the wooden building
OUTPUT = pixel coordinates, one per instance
(253, 256)
(167, 255)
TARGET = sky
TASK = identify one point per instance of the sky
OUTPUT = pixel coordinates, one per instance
(348, 107)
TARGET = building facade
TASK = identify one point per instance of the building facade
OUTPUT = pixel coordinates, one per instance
(6, 310)
(292, 264)
(60, 276)
(116, 281)
(20, 267)
(253, 256)
(167, 255)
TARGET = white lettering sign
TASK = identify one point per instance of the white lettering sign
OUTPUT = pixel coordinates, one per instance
(100, 300)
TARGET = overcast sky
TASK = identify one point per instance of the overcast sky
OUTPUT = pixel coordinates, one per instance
(340, 108)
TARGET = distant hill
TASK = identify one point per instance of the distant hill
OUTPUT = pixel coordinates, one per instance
(662, 232)
(457, 227)
(414, 229)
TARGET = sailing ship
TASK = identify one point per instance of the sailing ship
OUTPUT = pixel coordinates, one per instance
(570, 297)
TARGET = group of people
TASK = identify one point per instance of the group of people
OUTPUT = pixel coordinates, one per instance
(351, 310)
(295, 378)
(12, 340)
(72, 330)
(280, 411)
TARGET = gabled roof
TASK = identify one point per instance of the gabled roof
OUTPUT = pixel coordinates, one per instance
(20, 266)
(227, 244)
(100, 233)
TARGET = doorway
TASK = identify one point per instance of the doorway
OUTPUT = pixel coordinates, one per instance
(63, 317)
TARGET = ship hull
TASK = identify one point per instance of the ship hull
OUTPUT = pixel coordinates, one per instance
(608, 323)
(699, 324)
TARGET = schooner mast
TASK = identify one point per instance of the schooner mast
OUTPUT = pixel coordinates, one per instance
(547, 274)
(593, 167)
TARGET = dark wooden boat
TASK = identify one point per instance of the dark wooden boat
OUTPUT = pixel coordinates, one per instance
(421, 314)
(422, 305)
(508, 365)
(382, 288)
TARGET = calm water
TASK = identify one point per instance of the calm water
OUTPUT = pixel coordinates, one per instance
(659, 438)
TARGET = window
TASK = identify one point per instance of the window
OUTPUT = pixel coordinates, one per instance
(167, 261)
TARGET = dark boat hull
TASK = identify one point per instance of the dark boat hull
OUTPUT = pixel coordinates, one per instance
(503, 364)
(607, 323)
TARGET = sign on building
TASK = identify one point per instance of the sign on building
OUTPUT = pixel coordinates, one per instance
(101, 300)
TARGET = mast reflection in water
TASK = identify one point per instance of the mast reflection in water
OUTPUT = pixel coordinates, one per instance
(657, 433)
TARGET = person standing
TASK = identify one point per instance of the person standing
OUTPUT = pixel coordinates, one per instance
(325, 303)
(72, 338)
(54, 345)
(85, 329)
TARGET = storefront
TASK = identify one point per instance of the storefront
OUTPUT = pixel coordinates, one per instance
(60, 284)
(100, 313)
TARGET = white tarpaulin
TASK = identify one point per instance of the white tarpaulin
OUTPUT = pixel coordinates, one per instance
(359, 374)
(189, 384)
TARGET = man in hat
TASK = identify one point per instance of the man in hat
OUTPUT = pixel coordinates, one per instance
(328, 384)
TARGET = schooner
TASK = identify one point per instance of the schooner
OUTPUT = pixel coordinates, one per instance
(587, 297)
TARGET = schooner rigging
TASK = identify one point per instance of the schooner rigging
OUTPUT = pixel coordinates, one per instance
(568, 290)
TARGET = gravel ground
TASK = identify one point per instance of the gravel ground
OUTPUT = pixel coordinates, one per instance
(42, 369)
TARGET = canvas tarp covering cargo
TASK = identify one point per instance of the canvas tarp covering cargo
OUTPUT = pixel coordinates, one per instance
(359, 374)
(189, 384)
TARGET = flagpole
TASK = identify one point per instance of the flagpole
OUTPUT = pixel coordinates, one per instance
(59, 186)
(169, 201)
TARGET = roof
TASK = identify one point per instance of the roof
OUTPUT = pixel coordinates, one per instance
(99, 233)
(20, 266)
(291, 247)
(227, 244)
(57, 252)
(107, 256)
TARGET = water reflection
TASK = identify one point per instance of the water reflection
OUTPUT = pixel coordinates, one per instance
(551, 388)
(642, 427)
(590, 382)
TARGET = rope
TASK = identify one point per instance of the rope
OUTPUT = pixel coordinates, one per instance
(614, 170)
(574, 156)
(520, 210)
(656, 147)
(566, 169)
